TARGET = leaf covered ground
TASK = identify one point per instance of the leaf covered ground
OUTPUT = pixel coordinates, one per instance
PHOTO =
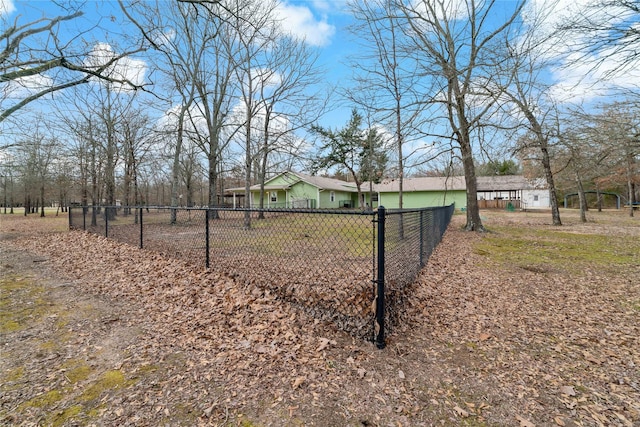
(527, 325)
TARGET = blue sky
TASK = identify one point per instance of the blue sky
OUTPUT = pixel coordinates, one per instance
(323, 23)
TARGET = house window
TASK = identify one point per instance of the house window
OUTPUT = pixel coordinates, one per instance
(332, 196)
(273, 196)
(535, 198)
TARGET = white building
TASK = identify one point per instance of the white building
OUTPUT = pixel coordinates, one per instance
(500, 190)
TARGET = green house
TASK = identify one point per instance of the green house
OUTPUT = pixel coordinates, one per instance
(423, 192)
(298, 190)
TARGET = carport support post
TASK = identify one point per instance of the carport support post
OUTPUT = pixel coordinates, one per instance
(380, 281)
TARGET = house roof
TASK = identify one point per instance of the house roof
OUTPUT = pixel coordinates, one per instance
(508, 183)
(501, 183)
(323, 183)
(430, 183)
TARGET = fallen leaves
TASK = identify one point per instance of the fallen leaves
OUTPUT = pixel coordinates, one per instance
(324, 343)
(568, 390)
(479, 341)
(460, 412)
(524, 422)
(298, 382)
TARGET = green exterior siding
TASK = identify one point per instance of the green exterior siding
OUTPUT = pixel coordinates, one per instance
(421, 199)
(338, 201)
(282, 180)
(293, 190)
(301, 191)
(279, 203)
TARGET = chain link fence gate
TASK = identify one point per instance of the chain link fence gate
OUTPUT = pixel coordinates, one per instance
(347, 267)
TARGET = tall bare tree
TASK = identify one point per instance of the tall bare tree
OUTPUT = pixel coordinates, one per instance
(615, 132)
(193, 38)
(454, 41)
(256, 34)
(286, 102)
(520, 83)
(388, 84)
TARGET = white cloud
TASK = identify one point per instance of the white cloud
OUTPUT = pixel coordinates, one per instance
(330, 6)
(579, 76)
(581, 83)
(322, 5)
(301, 23)
(7, 7)
(126, 68)
(26, 86)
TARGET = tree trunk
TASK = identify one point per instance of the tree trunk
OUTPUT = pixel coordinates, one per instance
(548, 174)
(630, 184)
(175, 169)
(581, 198)
(474, 223)
(264, 161)
(42, 200)
(213, 178)
(247, 165)
(400, 159)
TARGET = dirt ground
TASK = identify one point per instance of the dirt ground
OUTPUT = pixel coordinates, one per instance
(94, 332)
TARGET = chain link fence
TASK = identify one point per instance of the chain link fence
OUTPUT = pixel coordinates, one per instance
(332, 264)
(410, 238)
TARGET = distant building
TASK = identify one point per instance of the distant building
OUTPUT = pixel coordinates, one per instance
(298, 190)
(498, 191)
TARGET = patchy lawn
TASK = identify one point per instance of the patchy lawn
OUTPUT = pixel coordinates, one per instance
(529, 324)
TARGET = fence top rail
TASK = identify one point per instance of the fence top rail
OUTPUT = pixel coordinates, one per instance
(425, 209)
(340, 211)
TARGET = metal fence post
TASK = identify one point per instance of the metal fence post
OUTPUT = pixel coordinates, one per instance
(422, 238)
(141, 233)
(106, 222)
(206, 238)
(380, 341)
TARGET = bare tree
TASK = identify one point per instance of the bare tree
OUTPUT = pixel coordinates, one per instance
(254, 34)
(38, 152)
(286, 105)
(604, 31)
(387, 79)
(35, 58)
(136, 138)
(454, 40)
(183, 34)
(520, 83)
(616, 133)
(578, 164)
